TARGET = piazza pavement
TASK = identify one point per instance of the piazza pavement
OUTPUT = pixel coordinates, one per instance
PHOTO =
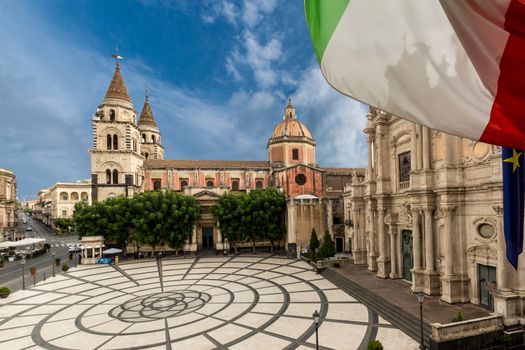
(244, 302)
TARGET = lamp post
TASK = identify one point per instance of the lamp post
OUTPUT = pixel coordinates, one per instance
(316, 318)
(53, 263)
(22, 263)
(420, 298)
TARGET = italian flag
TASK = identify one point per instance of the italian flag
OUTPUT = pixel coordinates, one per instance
(453, 65)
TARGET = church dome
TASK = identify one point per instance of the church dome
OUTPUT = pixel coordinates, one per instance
(290, 126)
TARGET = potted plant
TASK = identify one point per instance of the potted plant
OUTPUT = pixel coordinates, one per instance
(65, 267)
(374, 345)
(57, 261)
(4, 292)
(33, 271)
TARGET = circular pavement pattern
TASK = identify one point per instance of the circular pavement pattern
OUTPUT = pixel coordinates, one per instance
(199, 303)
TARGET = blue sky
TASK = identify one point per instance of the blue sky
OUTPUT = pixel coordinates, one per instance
(219, 73)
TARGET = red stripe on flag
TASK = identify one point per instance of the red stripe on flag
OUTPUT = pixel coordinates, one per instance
(506, 126)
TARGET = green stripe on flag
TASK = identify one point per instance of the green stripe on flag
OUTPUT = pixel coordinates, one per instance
(322, 17)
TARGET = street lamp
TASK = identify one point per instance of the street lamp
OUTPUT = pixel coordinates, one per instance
(421, 298)
(22, 263)
(53, 263)
(316, 318)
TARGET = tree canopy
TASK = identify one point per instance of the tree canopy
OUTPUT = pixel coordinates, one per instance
(253, 216)
(152, 218)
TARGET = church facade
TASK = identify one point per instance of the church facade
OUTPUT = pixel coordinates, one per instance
(429, 211)
(127, 157)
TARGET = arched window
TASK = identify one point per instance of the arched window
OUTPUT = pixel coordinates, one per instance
(74, 197)
(156, 185)
(115, 142)
(108, 141)
(146, 155)
(259, 185)
(115, 176)
(84, 196)
(153, 138)
(64, 196)
(143, 138)
(112, 115)
(108, 176)
(183, 184)
(235, 185)
(209, 183)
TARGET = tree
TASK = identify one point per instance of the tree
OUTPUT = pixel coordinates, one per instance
(255, 216)
(327, 248)
(87, 219)
(163, 217)
(271, 209)
(314, 241)
(63, 224)
(229, 211)
(119, 213)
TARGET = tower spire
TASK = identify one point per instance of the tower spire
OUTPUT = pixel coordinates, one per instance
(146, 116)
(117, 88)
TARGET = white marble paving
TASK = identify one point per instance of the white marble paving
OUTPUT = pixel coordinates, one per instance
(240, 303)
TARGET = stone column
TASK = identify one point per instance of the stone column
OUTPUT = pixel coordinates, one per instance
(417, 273)
(419, 148)
(431, 279)
(413, 147)
(429, 241)
(449, 240)
(502, 269)
(506, 302)
(451, 283)
(393, 256)
(416, 236)
(370, 174)
(382, 262)
(379, 160)
(427, 156)
(372, 255)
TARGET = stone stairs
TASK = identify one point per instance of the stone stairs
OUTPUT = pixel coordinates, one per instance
(397, 316)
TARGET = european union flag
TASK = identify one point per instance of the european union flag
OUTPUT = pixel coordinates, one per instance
(513, 201)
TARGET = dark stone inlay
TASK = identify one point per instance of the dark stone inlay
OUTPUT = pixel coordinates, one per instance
(124, 273)
(160, 306)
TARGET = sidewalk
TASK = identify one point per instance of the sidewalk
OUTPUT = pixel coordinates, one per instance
(398, 293)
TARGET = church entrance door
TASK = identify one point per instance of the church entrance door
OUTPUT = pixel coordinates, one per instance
(408, 258)
(339, 244)
(207, 238)
(487, 275)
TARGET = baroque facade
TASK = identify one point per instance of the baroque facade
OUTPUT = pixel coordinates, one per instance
(430, 212)
(127, 158)
(8, 205)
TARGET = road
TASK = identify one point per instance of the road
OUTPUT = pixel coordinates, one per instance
(11, 273)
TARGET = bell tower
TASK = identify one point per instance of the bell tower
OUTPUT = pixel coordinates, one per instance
(116, 162)
(150, 146)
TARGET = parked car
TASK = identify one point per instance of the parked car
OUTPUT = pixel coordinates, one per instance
(29, 228)
(72, 249)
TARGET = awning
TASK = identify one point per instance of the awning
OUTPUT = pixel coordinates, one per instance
(22, 242)
(111, 251)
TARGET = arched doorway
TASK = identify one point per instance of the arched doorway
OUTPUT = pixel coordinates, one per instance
(408, 258)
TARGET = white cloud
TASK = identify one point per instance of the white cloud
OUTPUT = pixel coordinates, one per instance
(216, 9)
(335, 120)
(254, 10)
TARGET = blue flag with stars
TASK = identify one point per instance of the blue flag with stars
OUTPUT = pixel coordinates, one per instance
(513, 201)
